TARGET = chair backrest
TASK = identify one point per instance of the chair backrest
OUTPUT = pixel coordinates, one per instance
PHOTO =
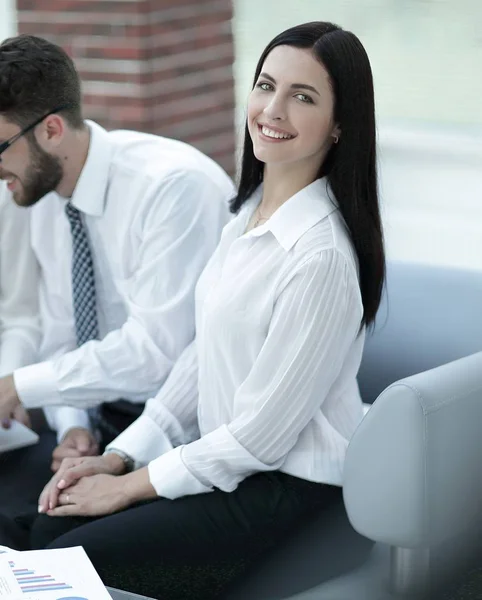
(429, 316)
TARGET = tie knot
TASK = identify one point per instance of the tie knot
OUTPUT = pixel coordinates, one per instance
(73, 214)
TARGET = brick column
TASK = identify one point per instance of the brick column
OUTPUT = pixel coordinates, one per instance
(162, 66)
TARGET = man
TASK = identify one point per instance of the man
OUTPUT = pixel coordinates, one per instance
(19, 332)
(19, 326)
(122, 224)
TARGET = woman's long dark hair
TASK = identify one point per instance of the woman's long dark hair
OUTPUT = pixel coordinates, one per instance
(350, 165)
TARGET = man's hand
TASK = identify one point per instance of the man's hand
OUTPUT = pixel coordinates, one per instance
(22, 416)
(72, 470)
(9, 400)
(77, 442)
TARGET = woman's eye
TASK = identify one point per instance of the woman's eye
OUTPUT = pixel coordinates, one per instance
(304, 98)
(267, 87)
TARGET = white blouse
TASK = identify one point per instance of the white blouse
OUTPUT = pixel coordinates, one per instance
(270, 381)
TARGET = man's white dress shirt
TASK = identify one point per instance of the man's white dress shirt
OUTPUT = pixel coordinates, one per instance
(19, 322)
(154, 209)
(270, 381)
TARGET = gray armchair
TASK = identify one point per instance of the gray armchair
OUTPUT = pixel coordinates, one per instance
(413, 474)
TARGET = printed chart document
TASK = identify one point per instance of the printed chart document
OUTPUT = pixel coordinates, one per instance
(65, 574)
(17, 436)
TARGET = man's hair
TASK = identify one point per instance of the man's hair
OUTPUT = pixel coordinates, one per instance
(37, 77)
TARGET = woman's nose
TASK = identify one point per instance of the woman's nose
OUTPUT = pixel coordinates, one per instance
(276, 109)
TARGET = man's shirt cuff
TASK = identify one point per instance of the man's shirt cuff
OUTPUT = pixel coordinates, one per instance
(36, 385)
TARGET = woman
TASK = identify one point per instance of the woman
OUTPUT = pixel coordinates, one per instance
(248, 435)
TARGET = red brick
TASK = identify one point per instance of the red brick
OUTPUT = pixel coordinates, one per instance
(101, 6)
(162, 66)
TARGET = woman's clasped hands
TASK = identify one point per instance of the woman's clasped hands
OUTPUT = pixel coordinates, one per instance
(86, 486)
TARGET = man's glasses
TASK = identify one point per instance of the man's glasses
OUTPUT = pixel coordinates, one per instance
(17, 136)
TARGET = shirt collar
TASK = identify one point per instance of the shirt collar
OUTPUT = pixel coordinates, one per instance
(297, 215)
(90, 192)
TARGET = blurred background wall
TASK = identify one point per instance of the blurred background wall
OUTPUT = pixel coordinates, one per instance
(166, 66)
(8, 18)
(426, 57)
(162, 66)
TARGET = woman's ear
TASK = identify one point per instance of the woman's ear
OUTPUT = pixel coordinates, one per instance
(335, 134)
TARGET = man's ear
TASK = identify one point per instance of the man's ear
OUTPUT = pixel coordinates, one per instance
(53, 130)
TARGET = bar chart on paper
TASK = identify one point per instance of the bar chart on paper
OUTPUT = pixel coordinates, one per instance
(65, 574)
(30, 582)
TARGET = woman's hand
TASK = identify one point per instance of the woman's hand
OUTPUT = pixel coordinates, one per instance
(72, 470)
(104, 494)
(92, 497)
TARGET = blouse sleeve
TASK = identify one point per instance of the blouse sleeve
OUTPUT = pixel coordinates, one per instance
(169, 419)
(316, 319)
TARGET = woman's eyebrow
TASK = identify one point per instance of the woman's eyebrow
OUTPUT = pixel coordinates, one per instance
(305, 86)
(299, 86)
(266, 76)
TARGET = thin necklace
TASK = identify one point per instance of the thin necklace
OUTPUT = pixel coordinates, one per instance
(259, 218)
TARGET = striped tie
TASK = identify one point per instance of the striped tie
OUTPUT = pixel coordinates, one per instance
(83, 291)
(85, 312)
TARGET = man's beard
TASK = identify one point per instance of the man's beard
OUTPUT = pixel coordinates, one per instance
(43, 175)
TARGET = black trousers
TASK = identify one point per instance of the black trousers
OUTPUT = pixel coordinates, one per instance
(25, 472)
(23, 475)
(193, 547)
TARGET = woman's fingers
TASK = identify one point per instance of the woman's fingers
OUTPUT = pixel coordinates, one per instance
(54, 489)
(69, 473)
(73, 475)
(66, 498)
(49, 497)
(43, 501)
(67, 510)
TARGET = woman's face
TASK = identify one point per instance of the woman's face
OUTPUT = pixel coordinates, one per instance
(290, 110)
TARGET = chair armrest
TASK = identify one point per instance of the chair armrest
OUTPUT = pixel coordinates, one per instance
(413, 470)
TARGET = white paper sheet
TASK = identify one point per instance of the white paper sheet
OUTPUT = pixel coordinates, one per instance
(65, 574)
(17, 436)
